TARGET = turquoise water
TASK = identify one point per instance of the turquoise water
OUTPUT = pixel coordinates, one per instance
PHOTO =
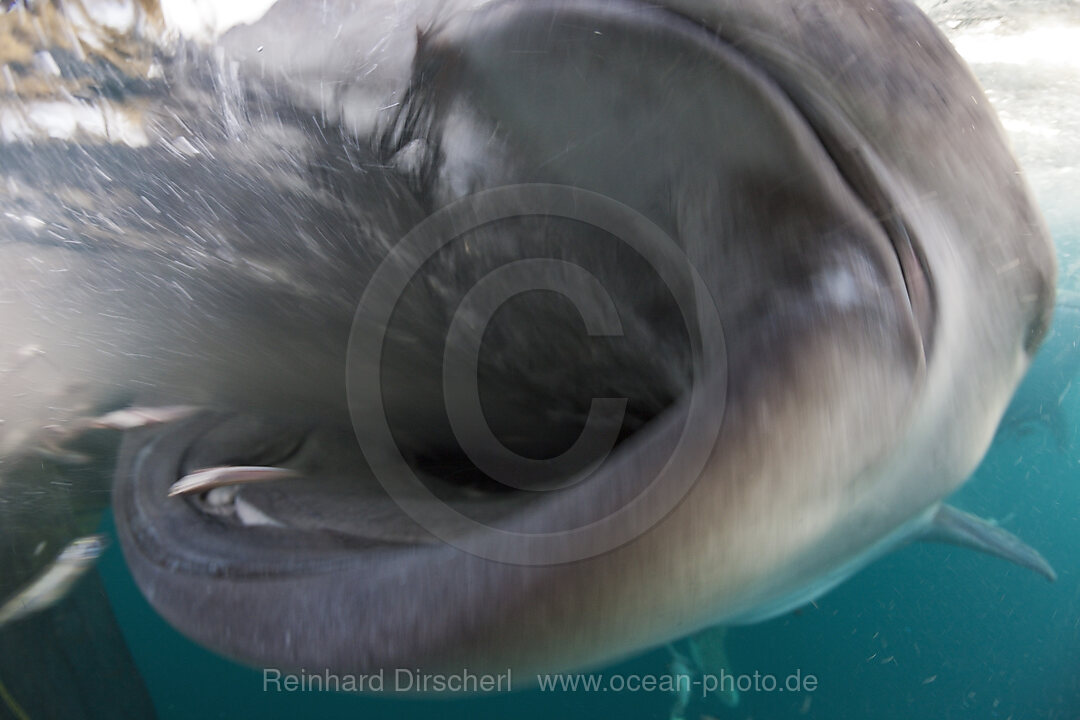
(930, 631)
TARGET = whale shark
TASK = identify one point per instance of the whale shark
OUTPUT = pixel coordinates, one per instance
(520, 334)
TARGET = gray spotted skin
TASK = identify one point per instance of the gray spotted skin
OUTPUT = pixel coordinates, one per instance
(830, 169)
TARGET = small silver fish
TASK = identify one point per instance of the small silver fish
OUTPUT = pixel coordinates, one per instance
(56, 581)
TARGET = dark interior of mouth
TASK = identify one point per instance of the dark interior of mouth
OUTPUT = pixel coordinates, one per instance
(539, 370)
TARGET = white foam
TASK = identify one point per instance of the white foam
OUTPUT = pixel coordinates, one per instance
(1054, 45)
(69, 120)
(208, 19)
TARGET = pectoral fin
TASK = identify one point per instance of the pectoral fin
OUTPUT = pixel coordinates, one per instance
(960, 528)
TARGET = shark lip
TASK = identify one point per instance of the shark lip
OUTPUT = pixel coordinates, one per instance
(182, 535)
(865, 174)
(316, 508)
(869, 181)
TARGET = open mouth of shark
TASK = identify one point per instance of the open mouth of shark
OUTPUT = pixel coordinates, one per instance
(699, 414)
(249, 486)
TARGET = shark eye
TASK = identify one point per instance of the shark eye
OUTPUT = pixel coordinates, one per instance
(1036, 333)
(1039, 325)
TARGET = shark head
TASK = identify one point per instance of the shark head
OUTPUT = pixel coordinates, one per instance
(558, 331)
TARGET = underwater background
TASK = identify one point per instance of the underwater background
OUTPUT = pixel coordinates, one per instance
(929, 631)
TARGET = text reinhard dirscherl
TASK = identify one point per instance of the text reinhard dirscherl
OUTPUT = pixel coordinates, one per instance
(408, 680)
(403, 680)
